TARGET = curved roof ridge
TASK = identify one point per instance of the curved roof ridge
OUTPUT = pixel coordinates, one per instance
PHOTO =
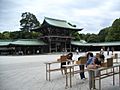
(55, 19)
(26, 39)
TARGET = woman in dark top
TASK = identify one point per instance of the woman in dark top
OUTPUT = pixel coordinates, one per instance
(97, 62)
(102, 57)
(69, 57)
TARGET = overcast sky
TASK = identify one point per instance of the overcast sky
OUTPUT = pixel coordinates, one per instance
(92, 15)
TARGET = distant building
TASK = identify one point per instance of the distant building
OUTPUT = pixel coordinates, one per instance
(22, 47)
(57, 34)
(56, 37)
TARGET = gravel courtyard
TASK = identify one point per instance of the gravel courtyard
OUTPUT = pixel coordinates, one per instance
(28, 73)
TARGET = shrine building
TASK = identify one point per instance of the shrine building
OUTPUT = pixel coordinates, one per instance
(57, 34)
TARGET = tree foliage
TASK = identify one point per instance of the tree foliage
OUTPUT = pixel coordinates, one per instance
(103, 33)
(76, 35)
(114, 32)
(6, 35)
(28, 21)
(19, 35)
(93, 38)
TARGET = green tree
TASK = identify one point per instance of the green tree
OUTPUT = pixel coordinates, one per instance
(15, 35)
(82, 36)
(6, 35)
(1, 36)
(35, 35)
(93, 38)
(76, 35)
(114, 32)
(28, 22)
(103, 33)
(87, 36)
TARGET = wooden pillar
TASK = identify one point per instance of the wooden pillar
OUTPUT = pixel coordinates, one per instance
(33, 50)
(25, 51)
(65, 47)
(70, 47)
(56, 47)
(49, 45)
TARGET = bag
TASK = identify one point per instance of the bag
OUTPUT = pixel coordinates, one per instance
(91, 66)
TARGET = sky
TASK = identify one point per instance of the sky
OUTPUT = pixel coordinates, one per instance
(91, 15)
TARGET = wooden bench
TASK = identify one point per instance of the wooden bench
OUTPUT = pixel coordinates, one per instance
(106, 74)
(106, 66)
(81, 61)
(49, 69)
(116, 57)
(70, 73)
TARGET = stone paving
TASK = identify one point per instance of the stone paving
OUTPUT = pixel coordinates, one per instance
(28, 73)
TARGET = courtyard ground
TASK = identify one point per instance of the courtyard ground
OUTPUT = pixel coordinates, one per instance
(28, 73)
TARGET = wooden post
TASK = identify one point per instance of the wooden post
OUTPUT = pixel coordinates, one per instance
(55, 47)
(65, 47)
(119, 76)
(70, 78)
(70, 47)
(100, 80)
(66, 78)
(113, 77)
(93, 78)
(49, 45)
(46, 72)
(49, 71)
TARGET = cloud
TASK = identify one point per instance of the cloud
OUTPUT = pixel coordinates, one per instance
(92, 15)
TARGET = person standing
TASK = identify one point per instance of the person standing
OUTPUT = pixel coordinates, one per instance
(92, 63)
(102, 51)
(89, 65)
(69, 57)
(82, 75)
(112, 49)
(77, 51)
(108, 51)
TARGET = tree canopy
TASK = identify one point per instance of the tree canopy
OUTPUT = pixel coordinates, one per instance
(103, 33)
(29, 21)
(114, 31)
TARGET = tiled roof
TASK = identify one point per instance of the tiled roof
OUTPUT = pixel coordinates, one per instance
(22, 42)
(5, 42)
(60, 23)
(78, 43)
